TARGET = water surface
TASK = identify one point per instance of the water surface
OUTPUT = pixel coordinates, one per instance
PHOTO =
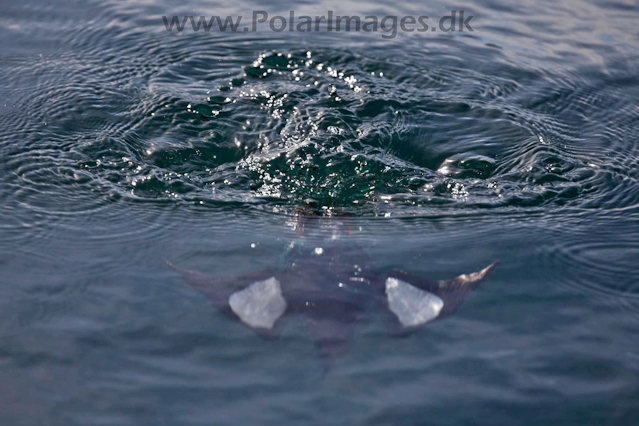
(122, 144)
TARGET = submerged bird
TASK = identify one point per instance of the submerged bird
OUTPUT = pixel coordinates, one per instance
(333, 287)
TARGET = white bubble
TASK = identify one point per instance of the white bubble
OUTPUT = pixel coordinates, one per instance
(411, 305)
(260, 304)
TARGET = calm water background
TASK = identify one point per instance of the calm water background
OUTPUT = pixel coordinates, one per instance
(122, 145)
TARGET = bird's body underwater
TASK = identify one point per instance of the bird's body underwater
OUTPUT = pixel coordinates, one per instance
(334, 287)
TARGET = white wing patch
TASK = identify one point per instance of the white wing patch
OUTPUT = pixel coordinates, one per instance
(411, 305)
(260, 304)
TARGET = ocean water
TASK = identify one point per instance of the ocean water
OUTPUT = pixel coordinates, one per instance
(123, 145)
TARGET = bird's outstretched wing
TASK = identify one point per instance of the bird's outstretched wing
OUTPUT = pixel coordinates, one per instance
(255, 298)
(414, 301)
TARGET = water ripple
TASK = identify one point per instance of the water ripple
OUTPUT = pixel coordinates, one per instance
(327, 127)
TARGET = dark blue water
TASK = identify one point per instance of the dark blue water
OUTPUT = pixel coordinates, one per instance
(122, 145)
